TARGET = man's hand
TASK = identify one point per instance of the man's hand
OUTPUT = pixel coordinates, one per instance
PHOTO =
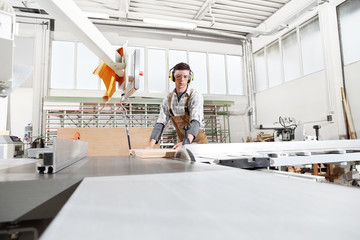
(177, 145)
(150, 144)
(190, 137)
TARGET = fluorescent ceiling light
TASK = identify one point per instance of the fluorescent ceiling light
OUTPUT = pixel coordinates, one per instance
(168, 23)
(97, 15)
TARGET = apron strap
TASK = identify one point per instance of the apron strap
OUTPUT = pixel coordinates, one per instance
(170, 110)
(187, 102)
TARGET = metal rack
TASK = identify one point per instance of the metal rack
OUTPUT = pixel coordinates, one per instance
(70, 112)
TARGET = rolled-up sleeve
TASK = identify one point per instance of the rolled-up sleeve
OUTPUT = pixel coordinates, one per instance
(196, 107)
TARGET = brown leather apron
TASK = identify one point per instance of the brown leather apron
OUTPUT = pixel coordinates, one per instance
(180, 121)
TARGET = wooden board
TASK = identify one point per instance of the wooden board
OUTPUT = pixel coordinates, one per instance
(349, 121)
(109, 141)
(153, 153)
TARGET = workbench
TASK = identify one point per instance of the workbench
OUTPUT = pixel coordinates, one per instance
(127, 197)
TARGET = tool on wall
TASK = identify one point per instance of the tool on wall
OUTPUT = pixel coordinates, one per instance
(350, 126)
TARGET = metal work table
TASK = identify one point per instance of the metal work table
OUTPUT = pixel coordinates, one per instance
(230, 204)
(26, 195)
(133, 198)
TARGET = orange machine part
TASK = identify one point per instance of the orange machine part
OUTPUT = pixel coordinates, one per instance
(76, 136)
(109, 77)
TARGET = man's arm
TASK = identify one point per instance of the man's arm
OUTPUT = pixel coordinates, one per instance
(162, 120)
(155, 135)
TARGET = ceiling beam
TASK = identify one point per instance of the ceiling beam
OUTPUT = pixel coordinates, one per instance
(284, 15)
(204, 9)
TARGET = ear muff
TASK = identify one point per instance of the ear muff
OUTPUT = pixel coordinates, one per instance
(172, 75)
(191, 77)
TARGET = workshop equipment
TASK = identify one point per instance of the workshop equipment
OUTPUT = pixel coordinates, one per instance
(291, 153)
(286, 130)
(317, 127)
(65, 152)
(186, 139)
(11, 147)
(116, 66)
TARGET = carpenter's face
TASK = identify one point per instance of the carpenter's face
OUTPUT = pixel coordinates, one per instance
(181, 80)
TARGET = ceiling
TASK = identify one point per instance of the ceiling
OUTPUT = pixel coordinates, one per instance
(226, 17)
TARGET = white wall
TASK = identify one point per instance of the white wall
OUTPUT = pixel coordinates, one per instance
(21, 110)
(305, 99)
(3, 113)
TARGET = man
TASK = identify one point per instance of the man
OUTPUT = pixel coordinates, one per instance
(185, 108)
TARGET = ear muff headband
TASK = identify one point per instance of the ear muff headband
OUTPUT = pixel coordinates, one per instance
(172, 75)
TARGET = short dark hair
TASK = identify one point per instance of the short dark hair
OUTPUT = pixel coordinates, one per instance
(181, 66)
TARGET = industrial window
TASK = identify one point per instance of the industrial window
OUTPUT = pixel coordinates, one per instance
(62, 65)
(234, 73)
(176, 56)
(298, 53)
(197, 61)
(86, 63)
(73, 64)
(274, 64)
(70, 56)
(311, 47)
(260, 71)
(217, 74)
(349, 19)
(157, 74)
(291, 58)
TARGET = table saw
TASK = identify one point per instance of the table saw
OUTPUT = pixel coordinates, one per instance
(129, 197)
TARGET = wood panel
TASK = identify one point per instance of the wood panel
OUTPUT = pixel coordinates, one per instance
(153, 153)
(109, 141)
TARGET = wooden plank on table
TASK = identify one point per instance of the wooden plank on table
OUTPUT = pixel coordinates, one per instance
(154, 153)
(109, 141)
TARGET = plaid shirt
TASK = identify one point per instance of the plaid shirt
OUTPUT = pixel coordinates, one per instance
(196, 107)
